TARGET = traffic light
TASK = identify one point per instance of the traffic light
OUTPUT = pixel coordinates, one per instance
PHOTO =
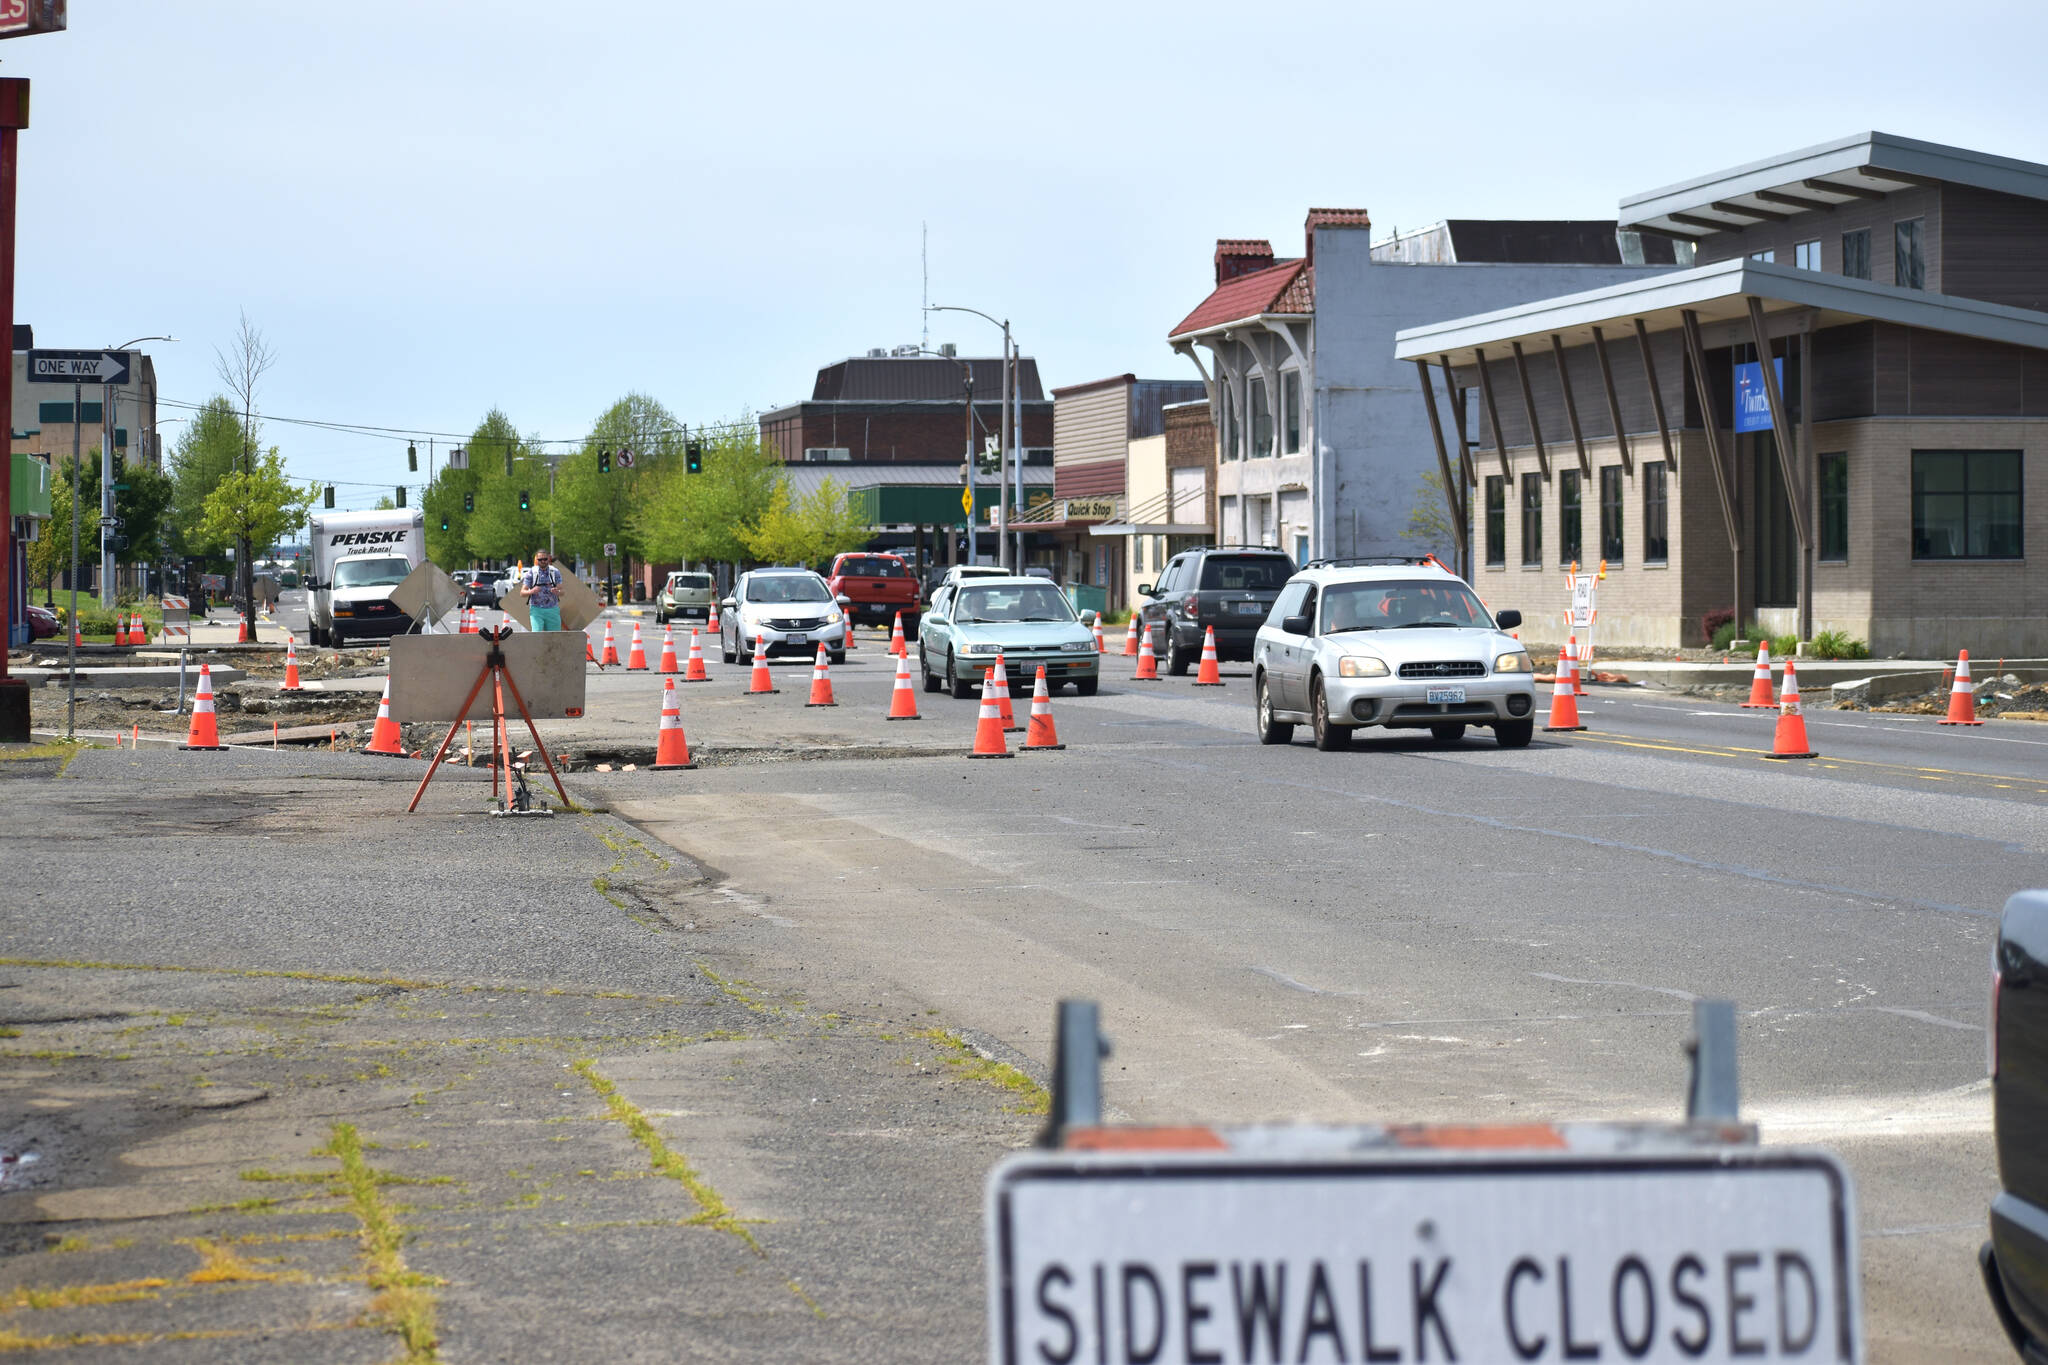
(401, 495)
(117, 543)
(469, 502)
(524, 504)
(444, 523)
(604, 462)
(412, 460)
(330, 497)
(693, 457)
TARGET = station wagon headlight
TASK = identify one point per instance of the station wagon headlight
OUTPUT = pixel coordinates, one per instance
(981, 649)
(1077, 647)
(1517, 662)
(1361, 666)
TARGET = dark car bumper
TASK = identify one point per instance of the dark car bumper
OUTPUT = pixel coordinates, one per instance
(1234, 640)
(2015, 1263)
(884, 613)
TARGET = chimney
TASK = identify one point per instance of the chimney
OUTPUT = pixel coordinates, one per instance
(1330, 218)
(1241, 256)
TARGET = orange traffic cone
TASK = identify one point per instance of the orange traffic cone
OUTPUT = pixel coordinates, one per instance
(1131, 638)
(821, 682)
(205, 731)
(903, 697)
(896, 643)
(247, 636)
(467, 624)
(668, 651)
(696, 672)
(385, 739)
(1760, 698)
(761, 681)
(120, 630)
(1209, 675)
(610, 656)
(988, 727)
(138, 630)
(589, 654)
(1564, 701)
(291, 667)
(1098, 636)
(636, 658)
(1001, 682)
(1578, 666)
(712, 624)
(1148, 663)
(672, 749)
(1962, 698)
(848, 634)
(1790, 740)
(1042, 734)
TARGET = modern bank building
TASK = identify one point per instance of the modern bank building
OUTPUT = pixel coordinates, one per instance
(1871, 478)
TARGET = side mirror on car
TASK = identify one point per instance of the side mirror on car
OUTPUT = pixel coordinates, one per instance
(843, 600)
(1295, 625)
(1089, 616)
(1507, 618)
(725, 604)
(1145, 590)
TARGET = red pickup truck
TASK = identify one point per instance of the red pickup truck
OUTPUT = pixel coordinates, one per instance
(876, 586)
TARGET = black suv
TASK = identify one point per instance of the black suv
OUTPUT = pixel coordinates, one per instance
(1230, 587)
(2015, 1260)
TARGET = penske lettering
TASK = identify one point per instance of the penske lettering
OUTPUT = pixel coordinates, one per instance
(1751, 1304)
(368, 537)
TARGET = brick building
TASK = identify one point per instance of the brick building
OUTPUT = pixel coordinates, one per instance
(905, 409)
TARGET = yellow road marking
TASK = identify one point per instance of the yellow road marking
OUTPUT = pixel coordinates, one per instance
(1930, 774)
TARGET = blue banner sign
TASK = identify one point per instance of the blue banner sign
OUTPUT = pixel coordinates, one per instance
(1752, 408)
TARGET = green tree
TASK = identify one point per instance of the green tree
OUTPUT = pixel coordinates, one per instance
(807, 530)
(592, 507)
(442, 500)
(498, 529)
(205, 454)
(257, 507)
(704, 518)
(48, 556)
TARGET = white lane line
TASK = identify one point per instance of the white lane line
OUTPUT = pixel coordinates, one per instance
(1627, 985)
(1964, 1111)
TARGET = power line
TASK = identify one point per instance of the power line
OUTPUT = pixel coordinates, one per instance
(413, 433)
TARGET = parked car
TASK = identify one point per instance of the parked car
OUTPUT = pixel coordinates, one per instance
(876, 587)
(686, 596)
(1401, 644)
(1230, 588)
(42, 622)
(2015, 1260)
(1026, 620)
(477, 586)
(792, 610)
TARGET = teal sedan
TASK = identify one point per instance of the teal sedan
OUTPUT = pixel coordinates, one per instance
(1026, 620)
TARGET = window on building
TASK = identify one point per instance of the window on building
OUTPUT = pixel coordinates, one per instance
(1856, 254)
(1909, 266)
(1568, 516)
(1262, 421)
(1656, 522)
(1301, 547)
(1806, 255)
(1496, 521)
(1532, 518)
(91, 414)
(1966, 504)
(1230, 447)
(1767, 257)
(1290, 411)
(1610, 513)
(1834, 507)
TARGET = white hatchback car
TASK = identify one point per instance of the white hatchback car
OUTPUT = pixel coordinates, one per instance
(791, 611)
(1397, 643)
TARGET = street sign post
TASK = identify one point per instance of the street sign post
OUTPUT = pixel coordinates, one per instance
(20, 18)
(79, 367)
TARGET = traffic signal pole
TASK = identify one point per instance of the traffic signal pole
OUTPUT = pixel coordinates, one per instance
(13, 692)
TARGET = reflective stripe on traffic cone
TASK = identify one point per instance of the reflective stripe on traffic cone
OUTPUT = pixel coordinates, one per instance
(668, 651)
(903, 697)
(671, 749)
(589, 654)
(1131, 638)
(247, 636)
(696, 671)
(846, 634)
(1962, 698)
(610, 656)
(291, 667)
(1790, 739)
(1000, 680)
(712, 623)
(1042, 734)
(1098, 637)
(896, 643)
(636, 657)
(1564, 701)
(821, 682)
(761, 682)
(120, 630)
(988, 727)
(1148, 663)
(1578, 668)
(1760, 698)
(204, 732)
(385, 738)
(1209, 675)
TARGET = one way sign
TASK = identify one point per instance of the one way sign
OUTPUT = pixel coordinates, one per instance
(79, 367)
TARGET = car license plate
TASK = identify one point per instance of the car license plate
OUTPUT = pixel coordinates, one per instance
(1243, 608)
(1742, 1254)
(1439, 696)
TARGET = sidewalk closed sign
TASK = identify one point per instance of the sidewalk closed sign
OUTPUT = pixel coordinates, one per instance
(1138, 1259)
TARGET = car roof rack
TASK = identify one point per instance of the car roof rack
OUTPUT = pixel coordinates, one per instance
(1264, 549)
(1378, 561)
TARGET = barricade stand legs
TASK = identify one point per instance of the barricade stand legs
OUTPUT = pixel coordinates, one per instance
(500, 677)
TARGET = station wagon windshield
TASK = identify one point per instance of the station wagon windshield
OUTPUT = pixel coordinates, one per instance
(1022, 602)
(1402, 605)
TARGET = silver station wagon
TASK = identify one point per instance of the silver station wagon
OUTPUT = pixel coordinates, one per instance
(1397, 643)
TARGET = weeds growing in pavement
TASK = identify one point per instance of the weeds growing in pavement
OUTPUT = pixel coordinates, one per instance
(712, 1209)
(404, 1300)
(966, 1062)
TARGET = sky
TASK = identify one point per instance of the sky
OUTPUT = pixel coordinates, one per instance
(440, 206)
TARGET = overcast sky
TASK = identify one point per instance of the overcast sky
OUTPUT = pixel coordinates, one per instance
(436, 206)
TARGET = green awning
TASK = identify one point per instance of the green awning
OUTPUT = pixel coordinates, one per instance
(30, 489)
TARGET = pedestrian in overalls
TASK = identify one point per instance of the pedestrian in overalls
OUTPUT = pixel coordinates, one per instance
(541, 586)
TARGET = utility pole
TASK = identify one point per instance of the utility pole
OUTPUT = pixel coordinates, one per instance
(71, 647)
(967, 460)
(107, 396)
(1017, 432)
(1002, 484)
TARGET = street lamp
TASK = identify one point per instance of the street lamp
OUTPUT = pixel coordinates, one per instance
(106, 479)
(1003, 490)
(967, 468)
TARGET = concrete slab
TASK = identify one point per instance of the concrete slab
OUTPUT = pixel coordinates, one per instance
(103, 678)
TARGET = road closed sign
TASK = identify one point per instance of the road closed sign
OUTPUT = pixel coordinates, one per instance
(1132, 1259)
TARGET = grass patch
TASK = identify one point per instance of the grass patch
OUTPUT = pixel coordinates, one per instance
(404, 1301)
(219, 1264)
(965, 1062)
(713, 1211)
(80, 1295)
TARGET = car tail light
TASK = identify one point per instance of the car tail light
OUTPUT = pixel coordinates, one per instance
(1192, 605)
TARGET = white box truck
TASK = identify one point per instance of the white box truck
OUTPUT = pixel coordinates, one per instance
(358, 558)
